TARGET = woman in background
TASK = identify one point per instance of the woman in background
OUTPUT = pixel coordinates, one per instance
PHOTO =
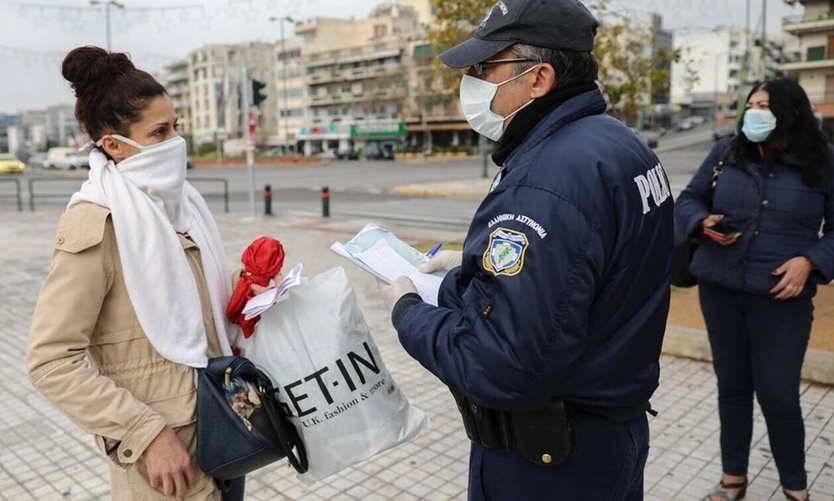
(769, 199)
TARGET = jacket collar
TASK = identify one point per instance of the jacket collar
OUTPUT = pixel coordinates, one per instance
(583, 105)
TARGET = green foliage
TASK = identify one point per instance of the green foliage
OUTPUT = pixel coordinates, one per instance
(629, 73)
(629, 70)
(456, 20)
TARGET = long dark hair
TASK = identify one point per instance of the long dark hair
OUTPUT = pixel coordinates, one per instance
(110, 91)
(796, 128)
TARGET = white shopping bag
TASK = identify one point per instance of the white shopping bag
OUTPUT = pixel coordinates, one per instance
(318, 351)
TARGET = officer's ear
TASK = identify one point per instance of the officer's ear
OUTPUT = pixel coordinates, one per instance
(545, 80)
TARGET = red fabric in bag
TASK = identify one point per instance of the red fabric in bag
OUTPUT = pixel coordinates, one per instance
(262, 261)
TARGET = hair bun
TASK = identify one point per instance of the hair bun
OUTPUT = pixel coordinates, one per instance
(87, 67)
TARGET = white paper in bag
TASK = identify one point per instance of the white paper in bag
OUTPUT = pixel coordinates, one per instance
(318, 351)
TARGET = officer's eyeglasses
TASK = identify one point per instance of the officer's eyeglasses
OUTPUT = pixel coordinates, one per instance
(477, 69)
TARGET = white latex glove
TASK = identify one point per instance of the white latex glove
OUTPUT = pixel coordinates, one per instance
(392, 293)
(444, 260)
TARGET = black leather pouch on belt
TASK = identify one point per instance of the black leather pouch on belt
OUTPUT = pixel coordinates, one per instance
(488, 427)
(546, 437)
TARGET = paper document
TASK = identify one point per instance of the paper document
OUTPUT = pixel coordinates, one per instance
(265, 300)
(385, 256)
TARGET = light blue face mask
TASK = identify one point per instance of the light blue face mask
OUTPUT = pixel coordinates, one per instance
(758, 125)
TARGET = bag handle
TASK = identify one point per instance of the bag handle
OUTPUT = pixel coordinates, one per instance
(289, 438)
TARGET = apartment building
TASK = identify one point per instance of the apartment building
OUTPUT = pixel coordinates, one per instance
(718, 67)
(814, 65)
(8, 124)
(61, 126)
(356, 78)
(175, 79)
(288, 92)
(214, 76)
(708, 77)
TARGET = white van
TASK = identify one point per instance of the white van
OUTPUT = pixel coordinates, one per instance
(66, 159)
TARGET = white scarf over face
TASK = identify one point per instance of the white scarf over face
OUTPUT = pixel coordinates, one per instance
(150, 201)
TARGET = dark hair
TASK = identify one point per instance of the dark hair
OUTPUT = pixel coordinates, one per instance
(796, 128)
(571, 67)
(110, 92)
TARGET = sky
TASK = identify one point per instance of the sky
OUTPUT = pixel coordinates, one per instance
(155, 32)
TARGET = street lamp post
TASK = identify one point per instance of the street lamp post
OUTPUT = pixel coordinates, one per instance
(107, 4)
(284, 78)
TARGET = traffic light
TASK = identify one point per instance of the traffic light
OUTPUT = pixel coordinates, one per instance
(257, 95)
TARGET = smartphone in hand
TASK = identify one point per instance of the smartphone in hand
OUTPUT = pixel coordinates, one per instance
(721, 233)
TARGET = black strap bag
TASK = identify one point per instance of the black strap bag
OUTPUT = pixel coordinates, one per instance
(240, 423)
(685, 246)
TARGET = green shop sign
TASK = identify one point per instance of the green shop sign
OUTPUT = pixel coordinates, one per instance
(378, 130)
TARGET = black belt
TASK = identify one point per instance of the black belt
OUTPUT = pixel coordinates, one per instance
(546, 437)
(613, 414)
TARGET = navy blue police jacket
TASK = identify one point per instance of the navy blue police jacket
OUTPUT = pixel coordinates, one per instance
(563, 291)
(778, 215)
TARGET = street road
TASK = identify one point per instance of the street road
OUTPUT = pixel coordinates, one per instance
(357, 188)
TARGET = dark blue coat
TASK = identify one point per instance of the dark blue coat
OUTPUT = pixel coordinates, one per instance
(564, 286)
(778, 215)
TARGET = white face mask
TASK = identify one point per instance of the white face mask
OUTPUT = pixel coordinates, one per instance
(159, 170)
(476, 97)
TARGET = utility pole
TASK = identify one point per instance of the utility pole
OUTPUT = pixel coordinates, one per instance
(763, 46)
(250, 146)
(745, 64)
(107, 4)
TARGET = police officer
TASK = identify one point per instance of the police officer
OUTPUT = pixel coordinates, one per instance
(550, 322)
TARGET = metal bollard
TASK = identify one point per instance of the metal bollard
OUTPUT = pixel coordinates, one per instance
(268, 200)
(325, 202)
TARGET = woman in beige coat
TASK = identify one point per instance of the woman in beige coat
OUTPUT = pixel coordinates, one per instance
(136, 291)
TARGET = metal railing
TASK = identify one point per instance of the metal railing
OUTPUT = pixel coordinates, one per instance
(63, 193)
(807, 18)
(225, 195)
(17, 194)
(821, 97)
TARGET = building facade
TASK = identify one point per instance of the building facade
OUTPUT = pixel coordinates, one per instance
(288, 95)
(814, 61)
(356, 81)
(214, 76)
(175, 79)
(717, 68)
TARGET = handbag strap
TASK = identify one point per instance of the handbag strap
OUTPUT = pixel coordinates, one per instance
(287, 435)
(717, 169)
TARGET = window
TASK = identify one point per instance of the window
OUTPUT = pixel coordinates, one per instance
(292, 113)
(816, 53)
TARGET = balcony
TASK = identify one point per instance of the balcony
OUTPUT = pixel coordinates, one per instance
(816, 58)
(823, 102)
(352, 74)
(809, 23)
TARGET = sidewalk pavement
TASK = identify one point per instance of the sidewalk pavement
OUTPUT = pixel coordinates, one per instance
(44, 457)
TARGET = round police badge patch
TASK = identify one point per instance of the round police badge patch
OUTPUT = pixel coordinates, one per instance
(505, 252)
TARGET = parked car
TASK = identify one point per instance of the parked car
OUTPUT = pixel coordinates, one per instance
(10, 164)
(66, 159)
(380, 151)
(347, 155)
(38, 161)
(685, 124)
(649, 140)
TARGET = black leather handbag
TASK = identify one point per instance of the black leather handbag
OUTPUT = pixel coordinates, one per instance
(230, 443)
(682, 256)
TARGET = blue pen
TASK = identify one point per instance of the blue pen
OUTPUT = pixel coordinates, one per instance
(434, 249)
